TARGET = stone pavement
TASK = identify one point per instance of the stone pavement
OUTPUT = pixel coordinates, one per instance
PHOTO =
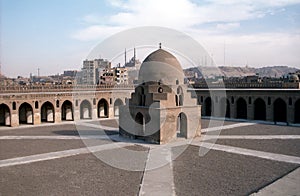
(54, 160)
(288, 185)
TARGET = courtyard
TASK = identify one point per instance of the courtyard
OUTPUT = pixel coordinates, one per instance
(238, 158)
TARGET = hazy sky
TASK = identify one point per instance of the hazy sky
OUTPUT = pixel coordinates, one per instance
(56, 35)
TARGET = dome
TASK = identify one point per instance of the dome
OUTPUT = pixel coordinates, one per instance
(161, 66)
(294, 77)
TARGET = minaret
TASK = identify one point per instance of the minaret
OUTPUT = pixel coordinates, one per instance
(134, 54)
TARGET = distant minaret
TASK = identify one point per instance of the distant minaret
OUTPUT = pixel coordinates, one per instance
(38, 72)
(134, 54)
(125, 58)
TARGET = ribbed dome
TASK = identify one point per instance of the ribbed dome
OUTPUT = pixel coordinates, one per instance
(163, 56)
(161, 65)
(294, 77)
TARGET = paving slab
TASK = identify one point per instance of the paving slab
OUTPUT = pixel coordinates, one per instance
(18, 148)
(263, 129)
(221, 173)
(279, 146)
(205, 123)
(287, 185)
(77, 175)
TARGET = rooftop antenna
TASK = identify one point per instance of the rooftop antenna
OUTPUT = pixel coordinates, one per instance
(159, 45)
(224, 52)
(125, 57)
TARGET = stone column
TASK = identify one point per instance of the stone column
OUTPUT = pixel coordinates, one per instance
(94, 113)
(290, 114)
(57, 116)
(14, 119)
(76, 114)
(111, 111)
(269, 113)
(232, 110)
(36, 117)
(250, 112)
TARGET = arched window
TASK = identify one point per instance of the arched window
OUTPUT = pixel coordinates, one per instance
(290, 101)
(269, 100)
(241, 108)
(207, 106)
(14, 105)
(36, 104)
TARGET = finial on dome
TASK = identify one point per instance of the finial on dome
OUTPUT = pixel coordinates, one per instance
(159, 45)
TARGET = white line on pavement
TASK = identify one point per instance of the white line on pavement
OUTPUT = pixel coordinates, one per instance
(96, 126)
(54, 137)
(288, 185)
(254, 153)
(160, 180)
(252, 137)
(219, 128)
(58, 154)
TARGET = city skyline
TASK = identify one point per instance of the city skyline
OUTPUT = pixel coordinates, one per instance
(56, 36)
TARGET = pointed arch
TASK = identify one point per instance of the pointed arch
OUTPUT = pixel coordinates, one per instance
(118, 102)
(297, 111)
(259, 109)
(280, 110)
(103, 108)
(85, 110)
(140, 124)
(207, 106)
(25, 113)
(182, 124)
(47, 112)
(227, 115)
(67, 111)
(5, 115)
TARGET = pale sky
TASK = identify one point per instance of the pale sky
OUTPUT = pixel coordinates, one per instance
(56, 35)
